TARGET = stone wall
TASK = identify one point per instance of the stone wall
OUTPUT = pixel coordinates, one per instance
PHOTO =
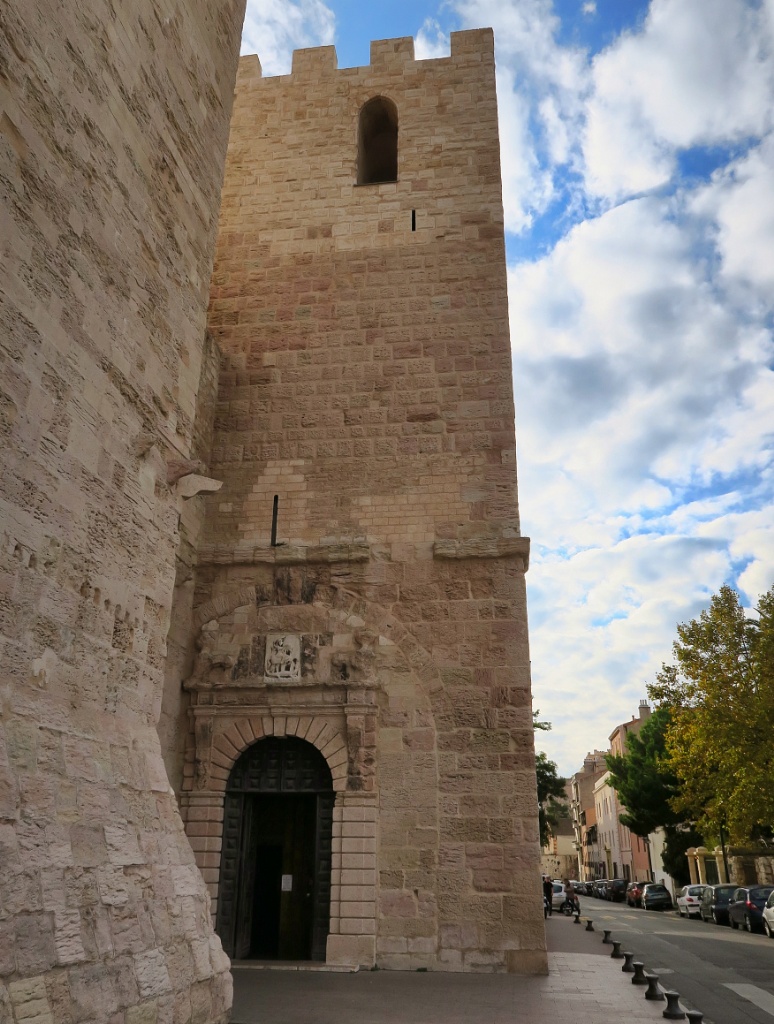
(113, 128)
(366, 382)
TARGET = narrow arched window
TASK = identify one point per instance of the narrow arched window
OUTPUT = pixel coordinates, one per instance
(377, 142)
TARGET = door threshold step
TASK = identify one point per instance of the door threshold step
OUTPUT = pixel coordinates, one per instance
(293, 965)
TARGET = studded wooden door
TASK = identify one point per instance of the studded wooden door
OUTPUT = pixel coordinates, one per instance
(275, 877)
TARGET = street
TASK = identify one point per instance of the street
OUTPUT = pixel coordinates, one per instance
(728, 975)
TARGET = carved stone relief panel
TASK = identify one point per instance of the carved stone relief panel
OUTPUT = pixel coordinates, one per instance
(283, 657)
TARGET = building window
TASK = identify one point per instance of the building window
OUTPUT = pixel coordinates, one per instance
(377, 142)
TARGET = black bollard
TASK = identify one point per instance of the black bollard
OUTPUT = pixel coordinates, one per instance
(639, 973)
(627, 967)
(577, 917)
(616, 954)
(589, 925)
(673, 1011)
(694, 1016)
(654, 990)
(606, 941)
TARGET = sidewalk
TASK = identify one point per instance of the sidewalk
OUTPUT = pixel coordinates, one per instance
(584, 987)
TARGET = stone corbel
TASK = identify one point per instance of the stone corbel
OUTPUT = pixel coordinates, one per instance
(186, 479)
(178, 468)
(190, 486)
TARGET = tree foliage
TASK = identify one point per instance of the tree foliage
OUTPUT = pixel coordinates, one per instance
(720, 734)
(679, 839)
(550, 788)
(645, 784)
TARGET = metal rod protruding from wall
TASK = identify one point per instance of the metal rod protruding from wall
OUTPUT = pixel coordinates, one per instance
(274, 513)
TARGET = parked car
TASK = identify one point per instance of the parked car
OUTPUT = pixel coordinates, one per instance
(714, 903)
(746, 906)
(768, 916)
(599, 888)
(615, 891)
(634, 894)
(557, 897)
(655, 896)
(688, 900)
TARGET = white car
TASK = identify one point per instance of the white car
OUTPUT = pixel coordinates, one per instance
(558, 897)
(768, 916)
(689, 900)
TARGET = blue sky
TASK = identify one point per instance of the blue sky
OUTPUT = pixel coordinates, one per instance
(638, 186)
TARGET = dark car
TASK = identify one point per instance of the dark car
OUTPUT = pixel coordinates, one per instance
(616, 890)
(634, 894)
(714, 903)
(655, 896)
(746, 906)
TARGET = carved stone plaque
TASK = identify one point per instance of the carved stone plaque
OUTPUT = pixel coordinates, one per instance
(283, 657)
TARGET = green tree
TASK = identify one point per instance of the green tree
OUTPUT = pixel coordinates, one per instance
(720, 698)
(550, 787)
(648, 788)
(679, 838)
(645, 784)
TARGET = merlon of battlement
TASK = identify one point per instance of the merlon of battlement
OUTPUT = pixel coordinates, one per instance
(386, 54)
(315, 60)
(249, 67)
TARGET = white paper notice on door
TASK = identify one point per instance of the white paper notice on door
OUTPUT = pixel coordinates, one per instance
(287, 883)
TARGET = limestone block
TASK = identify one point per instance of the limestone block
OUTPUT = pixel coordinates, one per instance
(351, 950)
(29, 1000)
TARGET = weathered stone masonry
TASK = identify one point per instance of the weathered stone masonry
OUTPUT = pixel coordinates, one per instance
(113, 129)
(366, 383)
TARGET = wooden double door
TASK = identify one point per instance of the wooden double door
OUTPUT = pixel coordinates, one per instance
(275, 878)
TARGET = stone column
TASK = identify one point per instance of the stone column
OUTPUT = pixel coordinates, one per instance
(718, 855)
(701, 866)
(691, 855)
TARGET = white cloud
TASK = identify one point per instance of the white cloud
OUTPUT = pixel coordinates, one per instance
(589, 7)
(431, 41)
(274, 28)
(700, 72)
(637, 381)
(739, 203)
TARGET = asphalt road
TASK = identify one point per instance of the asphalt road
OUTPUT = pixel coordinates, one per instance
(728, 975)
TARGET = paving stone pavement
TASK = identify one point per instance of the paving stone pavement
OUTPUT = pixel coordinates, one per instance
(584, 986)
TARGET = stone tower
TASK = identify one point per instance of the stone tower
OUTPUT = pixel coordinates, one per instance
(361, 687)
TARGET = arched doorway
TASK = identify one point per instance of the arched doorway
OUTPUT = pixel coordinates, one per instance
(275, 875)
